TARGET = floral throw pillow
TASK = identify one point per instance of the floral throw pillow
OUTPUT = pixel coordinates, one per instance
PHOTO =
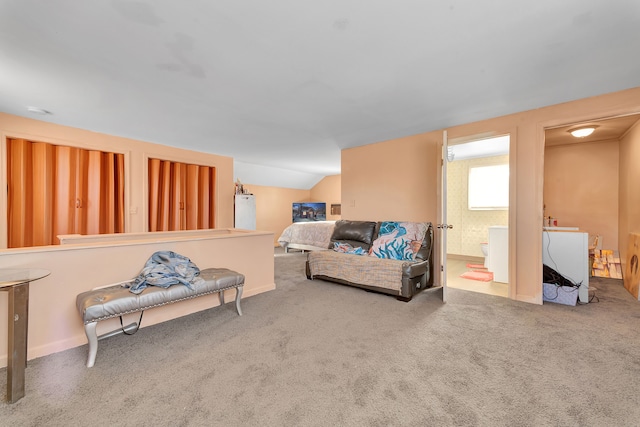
(399, 240)
(346, 248)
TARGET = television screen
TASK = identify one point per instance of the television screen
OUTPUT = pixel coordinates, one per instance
(306, 212)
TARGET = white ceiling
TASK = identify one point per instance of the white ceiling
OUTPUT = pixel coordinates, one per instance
(287, 84)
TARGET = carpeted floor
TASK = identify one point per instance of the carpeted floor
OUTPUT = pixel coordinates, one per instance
(313, 353)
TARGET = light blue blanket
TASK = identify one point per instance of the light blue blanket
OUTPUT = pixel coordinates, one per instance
(165, 268)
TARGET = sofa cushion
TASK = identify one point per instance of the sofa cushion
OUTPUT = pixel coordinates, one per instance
(355, 233)
(399, 240)
(346, 248)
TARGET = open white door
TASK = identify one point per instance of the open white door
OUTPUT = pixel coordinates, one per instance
(443, 226)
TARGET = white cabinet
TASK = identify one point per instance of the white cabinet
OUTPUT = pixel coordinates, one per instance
(567, 252)
(245, 211)
(498, 259)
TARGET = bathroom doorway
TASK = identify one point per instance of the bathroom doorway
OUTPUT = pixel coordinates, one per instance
(478, 207)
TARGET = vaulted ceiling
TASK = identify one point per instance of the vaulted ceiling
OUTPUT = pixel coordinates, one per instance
(283, 85)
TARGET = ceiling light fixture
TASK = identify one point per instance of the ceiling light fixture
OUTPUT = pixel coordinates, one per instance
(37, 110)
(582, 132)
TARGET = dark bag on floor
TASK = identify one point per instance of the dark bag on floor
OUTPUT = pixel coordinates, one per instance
(549, 275)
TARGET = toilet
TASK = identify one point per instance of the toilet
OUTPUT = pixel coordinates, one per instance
(485, 251)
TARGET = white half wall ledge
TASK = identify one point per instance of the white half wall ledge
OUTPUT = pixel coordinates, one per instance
(268, 176)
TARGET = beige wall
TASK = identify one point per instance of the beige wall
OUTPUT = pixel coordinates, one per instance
(136, 155)
(471, 227)
(400, 178)
(328, 191)
(392, 180)
(273, 207)
(629, 212)
(581, 188)
(273, 204)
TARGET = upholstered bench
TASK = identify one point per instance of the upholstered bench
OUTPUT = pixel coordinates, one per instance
(116, 301)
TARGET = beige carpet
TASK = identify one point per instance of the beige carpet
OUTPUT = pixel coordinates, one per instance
(312, 353)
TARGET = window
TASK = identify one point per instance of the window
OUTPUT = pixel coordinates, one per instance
(489, 187)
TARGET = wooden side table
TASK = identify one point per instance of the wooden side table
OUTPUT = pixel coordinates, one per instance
(15, 281)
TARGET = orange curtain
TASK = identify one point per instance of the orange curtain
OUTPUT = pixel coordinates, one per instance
(181, 196)
(61, 190)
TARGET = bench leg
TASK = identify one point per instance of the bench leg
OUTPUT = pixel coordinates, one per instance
(238, 296)
(92, 336)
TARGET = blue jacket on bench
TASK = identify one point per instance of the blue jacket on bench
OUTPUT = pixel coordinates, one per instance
(166, 268)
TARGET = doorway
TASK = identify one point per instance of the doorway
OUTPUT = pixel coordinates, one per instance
(477, 186)
(583, 179)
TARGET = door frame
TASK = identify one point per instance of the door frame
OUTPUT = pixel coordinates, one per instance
(441, 219)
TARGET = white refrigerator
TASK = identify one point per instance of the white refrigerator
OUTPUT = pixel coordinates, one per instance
(245, 211)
